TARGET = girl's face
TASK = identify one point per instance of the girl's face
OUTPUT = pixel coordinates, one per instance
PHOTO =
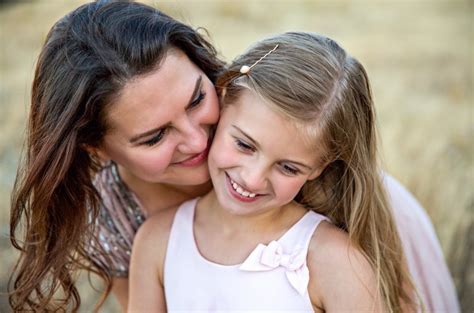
(258, 160)
(161, 124)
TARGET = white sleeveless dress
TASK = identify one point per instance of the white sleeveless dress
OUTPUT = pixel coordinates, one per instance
(274, 277)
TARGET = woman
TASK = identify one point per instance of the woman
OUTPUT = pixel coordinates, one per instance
(119, 84)
(120, 122)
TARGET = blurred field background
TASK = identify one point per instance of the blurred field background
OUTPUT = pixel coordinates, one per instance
(419, 56)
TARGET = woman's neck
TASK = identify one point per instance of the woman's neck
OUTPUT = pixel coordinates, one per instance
(155, 197)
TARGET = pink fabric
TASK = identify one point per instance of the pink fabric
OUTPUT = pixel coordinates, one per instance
(273, 278)
(267, 258)
(422, 249)
(119, 218)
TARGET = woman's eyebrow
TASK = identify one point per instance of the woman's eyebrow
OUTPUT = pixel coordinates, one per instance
(197, 87)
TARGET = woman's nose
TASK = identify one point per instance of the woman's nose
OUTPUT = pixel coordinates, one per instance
(193, 139)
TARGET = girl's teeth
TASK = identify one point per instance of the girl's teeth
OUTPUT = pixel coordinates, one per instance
(241, 191)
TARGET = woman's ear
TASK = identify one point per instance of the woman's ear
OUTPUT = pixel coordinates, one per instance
(96, 152)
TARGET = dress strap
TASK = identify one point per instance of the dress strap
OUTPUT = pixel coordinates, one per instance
(299, 235)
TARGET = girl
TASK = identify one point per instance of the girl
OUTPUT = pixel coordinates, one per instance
(298, 219)
(122, 95)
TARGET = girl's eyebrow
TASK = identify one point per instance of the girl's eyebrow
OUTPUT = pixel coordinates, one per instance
(247, 135)
(258, 146)
(197, 87)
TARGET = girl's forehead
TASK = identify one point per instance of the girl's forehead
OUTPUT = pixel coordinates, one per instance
(269, 127)
(255, 111)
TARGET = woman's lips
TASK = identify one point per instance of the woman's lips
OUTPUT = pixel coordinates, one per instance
(195, 160)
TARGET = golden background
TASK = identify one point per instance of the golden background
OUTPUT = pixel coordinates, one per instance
(419, 56)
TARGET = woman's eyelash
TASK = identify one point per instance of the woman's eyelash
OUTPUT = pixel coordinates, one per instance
(157, 138)
(198, 100)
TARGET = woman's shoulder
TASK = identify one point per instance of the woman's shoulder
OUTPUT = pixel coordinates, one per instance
(340, 275)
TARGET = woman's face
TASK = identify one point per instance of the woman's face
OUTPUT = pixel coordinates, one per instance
(160, 125)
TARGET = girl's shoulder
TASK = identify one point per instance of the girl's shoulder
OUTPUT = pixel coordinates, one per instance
(340, 275)
(157, 227)
(150, 244)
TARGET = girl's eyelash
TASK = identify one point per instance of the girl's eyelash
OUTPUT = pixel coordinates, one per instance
(157, 138)
(246, 147)
(241, 144)
(290, 170)
(198, 100)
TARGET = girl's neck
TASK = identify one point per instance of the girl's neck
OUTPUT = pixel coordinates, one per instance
(213, 212)
(155, 197)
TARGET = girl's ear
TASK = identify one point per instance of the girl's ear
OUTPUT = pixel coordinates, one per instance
(96, 152)
(317, 171)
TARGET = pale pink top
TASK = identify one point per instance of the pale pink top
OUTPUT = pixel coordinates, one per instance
(423, 251)
(273, 278)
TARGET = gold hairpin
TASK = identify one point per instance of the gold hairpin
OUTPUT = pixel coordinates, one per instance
(245, 68)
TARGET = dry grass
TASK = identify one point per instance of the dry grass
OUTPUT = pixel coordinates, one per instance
(419, 55)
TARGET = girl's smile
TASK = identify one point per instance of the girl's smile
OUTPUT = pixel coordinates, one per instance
(239, 193)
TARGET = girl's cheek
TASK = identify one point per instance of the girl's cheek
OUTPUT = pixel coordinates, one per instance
(289, 189)
(222, 154)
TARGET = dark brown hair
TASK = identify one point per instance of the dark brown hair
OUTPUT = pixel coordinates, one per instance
(311, 80)
(88, 56)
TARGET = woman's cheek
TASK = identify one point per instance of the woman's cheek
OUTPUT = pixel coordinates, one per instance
(152, 163)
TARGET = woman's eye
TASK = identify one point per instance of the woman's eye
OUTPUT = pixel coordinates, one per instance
(290, 170)
(156, 139)
(197, 101)
(244, 146)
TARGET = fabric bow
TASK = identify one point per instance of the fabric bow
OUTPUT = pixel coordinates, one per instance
(267, 258)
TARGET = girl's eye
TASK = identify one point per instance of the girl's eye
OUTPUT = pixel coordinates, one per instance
(197, 101)
(156, 139)
(289, 169)
(244, 146)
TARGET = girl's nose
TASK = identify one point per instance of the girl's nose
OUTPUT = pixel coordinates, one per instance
(254, 178)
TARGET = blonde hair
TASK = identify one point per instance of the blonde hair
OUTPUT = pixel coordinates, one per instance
(315, 83)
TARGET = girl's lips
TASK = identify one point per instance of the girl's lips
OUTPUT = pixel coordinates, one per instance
(195, 160)
(237, 195)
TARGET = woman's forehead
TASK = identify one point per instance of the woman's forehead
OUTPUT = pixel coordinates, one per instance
(150, 99)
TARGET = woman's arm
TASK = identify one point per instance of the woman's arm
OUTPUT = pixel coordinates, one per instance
(146, 266)
(120, 291)
(341, 279)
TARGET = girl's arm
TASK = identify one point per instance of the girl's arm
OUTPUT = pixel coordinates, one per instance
(146, 266)
(341, 279)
